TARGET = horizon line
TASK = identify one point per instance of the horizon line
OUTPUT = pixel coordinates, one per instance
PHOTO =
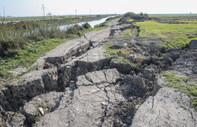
(107, 14)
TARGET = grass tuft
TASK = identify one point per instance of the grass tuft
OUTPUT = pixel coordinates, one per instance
(27, 55)
(118, 53)
(179, 84)
(128, 33)
(172, 78)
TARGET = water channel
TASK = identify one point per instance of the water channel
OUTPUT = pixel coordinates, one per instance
(92, 24)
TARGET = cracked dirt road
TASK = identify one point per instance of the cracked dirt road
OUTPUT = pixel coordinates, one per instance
(77, 86)
(88, 104)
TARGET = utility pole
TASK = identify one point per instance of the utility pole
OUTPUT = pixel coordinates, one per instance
(43, 9)
(90, 12)
(76, 13)
(4, 13)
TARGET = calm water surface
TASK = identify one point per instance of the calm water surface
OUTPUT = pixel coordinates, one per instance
(92, 24)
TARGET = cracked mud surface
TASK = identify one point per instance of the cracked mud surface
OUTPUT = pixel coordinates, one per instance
(94, 94)
(77, 86)
(166, 109)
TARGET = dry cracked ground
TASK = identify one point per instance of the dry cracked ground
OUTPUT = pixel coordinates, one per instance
(75, 85)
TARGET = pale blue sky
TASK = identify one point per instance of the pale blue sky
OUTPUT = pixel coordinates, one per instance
(63, 7)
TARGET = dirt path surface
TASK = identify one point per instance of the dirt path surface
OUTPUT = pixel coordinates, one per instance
(77, 86)
(64, 49)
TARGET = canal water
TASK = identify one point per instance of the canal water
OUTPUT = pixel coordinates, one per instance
(92, 24)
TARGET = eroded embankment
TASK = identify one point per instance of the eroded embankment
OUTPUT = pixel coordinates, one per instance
(88, 88)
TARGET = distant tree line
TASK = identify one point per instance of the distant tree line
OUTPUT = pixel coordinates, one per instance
(134, 16)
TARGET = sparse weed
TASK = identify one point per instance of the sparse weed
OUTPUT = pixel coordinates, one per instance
(172, 78)
(128, 33)
(179, 84)
(118, 53)
(38, 117)
(42, 106)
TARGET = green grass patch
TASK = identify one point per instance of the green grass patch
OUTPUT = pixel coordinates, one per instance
(178, 82)
(38, 116)
(101, 26)
(172, 78)
(193, 91)
(118, 53)
(195, 102)
(130, 20)
(111, 50)
(27, 55)
(174, 35)
(42, 106)
(128, 33)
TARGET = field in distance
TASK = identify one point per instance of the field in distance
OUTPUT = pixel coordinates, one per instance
(175, 30)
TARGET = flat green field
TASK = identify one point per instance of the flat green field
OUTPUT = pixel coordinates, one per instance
(176, 32)
(42, 17)
(32, 18)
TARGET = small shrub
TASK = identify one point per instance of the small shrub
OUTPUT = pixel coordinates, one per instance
(74, 30)
(86, 26)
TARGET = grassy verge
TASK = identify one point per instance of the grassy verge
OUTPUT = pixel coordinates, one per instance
(101, 26)
(118, 53)
(30, 52)
(179, 83)
(27, 55)
(174, 35)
